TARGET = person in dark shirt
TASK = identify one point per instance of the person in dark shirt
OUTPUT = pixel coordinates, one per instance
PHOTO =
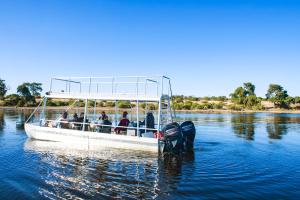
(124, 122)
(103, 115)
(80, 121)
(106, 129)
(148, 123)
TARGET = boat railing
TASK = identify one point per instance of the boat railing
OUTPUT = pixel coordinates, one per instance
(90, 126)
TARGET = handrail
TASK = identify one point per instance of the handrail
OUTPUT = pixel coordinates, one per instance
(34, 110)
(94, 124)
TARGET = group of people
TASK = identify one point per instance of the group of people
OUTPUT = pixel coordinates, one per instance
(64, 122)
(148, 123)
(104, 124)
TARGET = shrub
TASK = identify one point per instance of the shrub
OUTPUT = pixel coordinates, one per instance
(178, 106)
(21, 102)
(218, 105)
(12, 100)
(297, 99)
(235, 107)
(258, 107)
(124, 104)
(109, 104)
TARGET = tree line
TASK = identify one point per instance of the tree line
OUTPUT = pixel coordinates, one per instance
(26, 94)
(242, 98)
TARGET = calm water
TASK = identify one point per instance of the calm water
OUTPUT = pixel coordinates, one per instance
(240, 156)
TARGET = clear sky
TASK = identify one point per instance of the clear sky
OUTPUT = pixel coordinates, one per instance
(208, 47)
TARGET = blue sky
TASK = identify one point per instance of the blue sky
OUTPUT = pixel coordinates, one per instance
(208, 47)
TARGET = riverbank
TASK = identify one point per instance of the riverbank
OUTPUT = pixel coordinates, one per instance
(179, 111)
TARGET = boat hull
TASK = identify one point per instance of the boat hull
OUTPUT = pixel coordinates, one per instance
(91, 139)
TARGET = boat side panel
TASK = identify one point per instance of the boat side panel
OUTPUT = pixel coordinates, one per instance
(91, 139)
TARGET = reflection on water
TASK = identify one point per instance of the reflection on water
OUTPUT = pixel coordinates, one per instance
(99, 173)
(1, 120)
(222, 166)
(277, 127)
(244, 126)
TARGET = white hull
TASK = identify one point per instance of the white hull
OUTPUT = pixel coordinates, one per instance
(91, 139)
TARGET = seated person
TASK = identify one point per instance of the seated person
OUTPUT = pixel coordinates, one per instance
(75, 121)
(124, 122)
(75, 118)
(106, 129)
(150, 123)
(63, 121)
(103, 115)
(80, 121)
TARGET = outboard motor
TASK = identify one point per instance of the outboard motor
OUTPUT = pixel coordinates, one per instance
(172, 141)
(188, 133)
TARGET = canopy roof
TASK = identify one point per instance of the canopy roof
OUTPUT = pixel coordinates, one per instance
(130, 88)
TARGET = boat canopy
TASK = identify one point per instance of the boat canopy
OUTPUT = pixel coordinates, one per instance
(127, 88)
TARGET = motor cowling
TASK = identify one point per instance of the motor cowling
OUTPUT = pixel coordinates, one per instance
(172, 138)
(188, 133)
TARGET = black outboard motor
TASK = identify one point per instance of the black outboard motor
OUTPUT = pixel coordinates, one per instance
(172, 139)
(188, 133)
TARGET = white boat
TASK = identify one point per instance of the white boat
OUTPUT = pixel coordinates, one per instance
(140, 91)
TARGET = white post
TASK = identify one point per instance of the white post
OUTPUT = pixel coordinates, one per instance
(95, 107)
(159, 103)
(137, 109)
(43, 117)
(116, 110)
(44, 108)
(85, 113)
(159, 113)
(146, 105)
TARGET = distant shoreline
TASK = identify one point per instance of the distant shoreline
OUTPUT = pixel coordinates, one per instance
(216, 111)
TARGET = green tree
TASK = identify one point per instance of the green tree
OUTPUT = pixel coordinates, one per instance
(249, 88)
(239, 95)
(3, 88)
(27, 99)
(277, 95)
(24, 91)
(35, 89)
(245, 96)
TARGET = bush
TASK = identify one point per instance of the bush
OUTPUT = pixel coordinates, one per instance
(258, 107)
(218, 106)
(124, 104)
(109, 104)
(12, 100)
(59, 103)
(297, 99)
(21, 103)
(251, 101)
(235, 107)
(207, 106)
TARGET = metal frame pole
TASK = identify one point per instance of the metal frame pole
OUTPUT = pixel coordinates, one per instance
(44, 109)
(159, 104)
(95, 107)
(85, 113)
(51, 85)
(146, 105)
(137, 109)
(116, 110)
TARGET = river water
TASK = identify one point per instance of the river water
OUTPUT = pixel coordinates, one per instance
(241, 156)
